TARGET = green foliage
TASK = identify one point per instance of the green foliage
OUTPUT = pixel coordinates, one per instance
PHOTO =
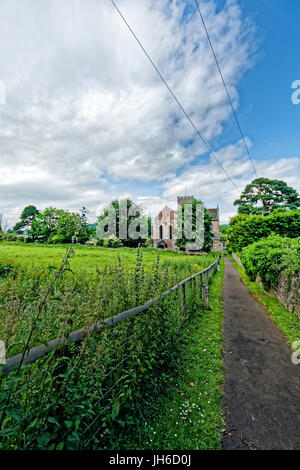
(189, 414)
(10, 237)
(263, 196)
(28, 215)
(182, 242)
(94, 395)
(246, 229)
(54, 225)
(89, 288)
(93, 258)
(5, 269)
(287, 322)
(112, 242)
(267, 258)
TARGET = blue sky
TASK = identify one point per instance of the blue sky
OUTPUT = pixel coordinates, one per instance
(86, 119)
(267, 113)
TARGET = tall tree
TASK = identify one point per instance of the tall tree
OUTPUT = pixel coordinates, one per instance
(54, 225)
(263, 196)
(59, 226)
(27, 216)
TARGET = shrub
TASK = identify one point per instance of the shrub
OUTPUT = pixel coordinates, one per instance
(8, 237)
(112, 242)
(5, 269)
(269, 257)
(246, 229)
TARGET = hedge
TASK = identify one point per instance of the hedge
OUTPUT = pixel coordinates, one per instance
(269, 257)
(247, 229)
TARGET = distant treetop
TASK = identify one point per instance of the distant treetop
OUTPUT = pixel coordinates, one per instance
(263, 196)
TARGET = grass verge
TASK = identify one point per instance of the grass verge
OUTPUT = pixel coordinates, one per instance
(287, 322)
(190, 417)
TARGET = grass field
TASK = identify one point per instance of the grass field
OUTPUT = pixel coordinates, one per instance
(96, 395)
(102, 283)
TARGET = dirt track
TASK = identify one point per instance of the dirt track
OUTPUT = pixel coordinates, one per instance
(262, 386)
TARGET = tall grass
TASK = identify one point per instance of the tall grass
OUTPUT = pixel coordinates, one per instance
(91, 395)
(80, 297)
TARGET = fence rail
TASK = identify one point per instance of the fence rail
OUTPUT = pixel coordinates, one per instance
(38, 352)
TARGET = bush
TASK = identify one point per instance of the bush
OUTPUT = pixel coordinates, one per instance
(112, 242)
(8, 237)
(269, 257)
(5, 269)
(246, 229)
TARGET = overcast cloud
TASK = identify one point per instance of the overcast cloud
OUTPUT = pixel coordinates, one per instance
(86, 117)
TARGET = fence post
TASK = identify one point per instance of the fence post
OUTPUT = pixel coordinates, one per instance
(183, 305)
(205, 296)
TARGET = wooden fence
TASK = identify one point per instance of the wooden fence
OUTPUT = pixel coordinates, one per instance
(38, 352)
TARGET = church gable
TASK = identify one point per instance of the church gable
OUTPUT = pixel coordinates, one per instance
(165, 214)
(165, 221)
(164, 229)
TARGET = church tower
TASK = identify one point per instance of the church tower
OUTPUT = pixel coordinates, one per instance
(182, 199)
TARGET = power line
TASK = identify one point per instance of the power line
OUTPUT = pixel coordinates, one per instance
(175, 97)
(225, 86)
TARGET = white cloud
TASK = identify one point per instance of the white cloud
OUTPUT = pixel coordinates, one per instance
(207, 181)
(85, 109)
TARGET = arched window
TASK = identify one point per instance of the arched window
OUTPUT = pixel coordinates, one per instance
(171, 232)
(160, 231)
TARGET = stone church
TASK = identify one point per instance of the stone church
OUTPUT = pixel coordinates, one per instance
(165, 224)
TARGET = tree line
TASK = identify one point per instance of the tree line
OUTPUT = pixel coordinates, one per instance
(259, 200)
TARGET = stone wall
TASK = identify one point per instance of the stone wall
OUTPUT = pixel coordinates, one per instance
(237, 259)
(288, 292)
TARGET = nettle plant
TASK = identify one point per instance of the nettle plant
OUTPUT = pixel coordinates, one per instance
(95, 394)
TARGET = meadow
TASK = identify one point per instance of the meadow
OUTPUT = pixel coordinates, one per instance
(97, 394)
(88, 258)
(96, 283)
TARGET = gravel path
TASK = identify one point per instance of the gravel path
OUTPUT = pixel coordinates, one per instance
(262, 386)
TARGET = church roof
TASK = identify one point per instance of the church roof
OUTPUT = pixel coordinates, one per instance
(213, 212)
(166, 208)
